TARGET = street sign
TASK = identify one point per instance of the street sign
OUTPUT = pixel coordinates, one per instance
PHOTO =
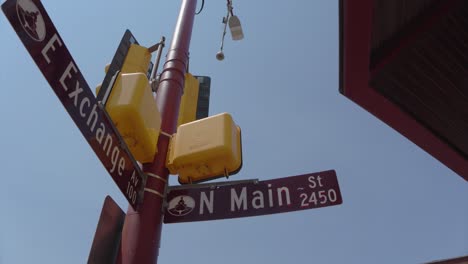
(252, 198)
(40, 37)
(116, 65)
(108, 233)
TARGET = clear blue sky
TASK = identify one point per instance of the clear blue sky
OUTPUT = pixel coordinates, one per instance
(281, 86)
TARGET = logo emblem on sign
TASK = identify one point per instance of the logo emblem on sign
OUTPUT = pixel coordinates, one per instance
(31, 19)
(181, 205)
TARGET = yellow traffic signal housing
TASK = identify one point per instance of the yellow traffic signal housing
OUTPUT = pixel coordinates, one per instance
(133, 110)
(205, 149)
(132, 107)
(189, 100)
(137, 60)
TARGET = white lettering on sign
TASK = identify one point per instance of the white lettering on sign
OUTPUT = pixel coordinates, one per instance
(85, 100)
(205, 202)
(134, 178)
(75, 93)
(79, 100)
(48, 50)
(50, 45)
(66, 74)
(87, 109)
(315, 198)
(252, 197)
(257, 201)
(318, 198)
(313, 182)
(286, 195)
(239, 200)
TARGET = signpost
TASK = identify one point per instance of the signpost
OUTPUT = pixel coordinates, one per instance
(210, 201)
(40, 37)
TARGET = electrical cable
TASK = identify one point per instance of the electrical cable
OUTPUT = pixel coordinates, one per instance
(229, 4)
(201, 8)
(225, 21)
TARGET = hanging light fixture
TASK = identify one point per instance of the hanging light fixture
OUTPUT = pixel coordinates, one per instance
(234, 26)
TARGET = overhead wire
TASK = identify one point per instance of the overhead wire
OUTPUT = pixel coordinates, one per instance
(225, 21)
(201, 8)
(229, 4)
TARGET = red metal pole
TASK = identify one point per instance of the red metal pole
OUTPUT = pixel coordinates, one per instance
(141, 234)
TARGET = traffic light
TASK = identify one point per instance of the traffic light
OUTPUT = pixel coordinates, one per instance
(205, 149)
(188, 102)
(131, 105)
(195, 101)
(203, 103)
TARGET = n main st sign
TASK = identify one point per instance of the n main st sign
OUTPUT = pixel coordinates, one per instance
(252, 198)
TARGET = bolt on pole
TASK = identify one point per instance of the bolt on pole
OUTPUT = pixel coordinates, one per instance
(141, 233)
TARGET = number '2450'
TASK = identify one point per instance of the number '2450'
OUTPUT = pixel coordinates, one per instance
(320, 197)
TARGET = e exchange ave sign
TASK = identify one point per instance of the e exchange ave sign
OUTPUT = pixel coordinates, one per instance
(211, 202)
(40, 37)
